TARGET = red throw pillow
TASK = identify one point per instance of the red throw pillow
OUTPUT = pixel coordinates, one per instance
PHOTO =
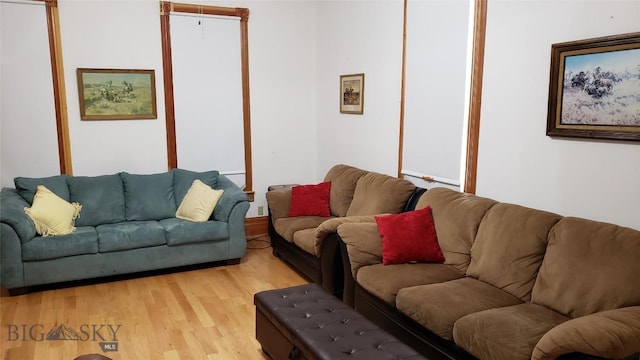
(409, 237)
(310, 200)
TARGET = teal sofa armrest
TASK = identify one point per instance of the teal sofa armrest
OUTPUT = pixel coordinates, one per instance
(15, 229)
(12, 213)
(232, 195)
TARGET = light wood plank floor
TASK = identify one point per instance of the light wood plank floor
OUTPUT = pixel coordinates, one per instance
(197, 314)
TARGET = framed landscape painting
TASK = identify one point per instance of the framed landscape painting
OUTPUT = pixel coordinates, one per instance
(352, 94)
(594, 89)
(113, 94)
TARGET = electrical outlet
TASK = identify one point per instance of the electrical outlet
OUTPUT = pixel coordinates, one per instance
(260, 210)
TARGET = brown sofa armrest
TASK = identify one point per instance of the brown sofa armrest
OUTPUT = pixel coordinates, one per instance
(330, 226)
(364, 244)
(279, 202)
(609, 334)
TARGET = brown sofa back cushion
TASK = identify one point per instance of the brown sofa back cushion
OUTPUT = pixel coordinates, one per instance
(457, 217)
(589, 267)
(343, 184)
(379, 194)
(510, 246)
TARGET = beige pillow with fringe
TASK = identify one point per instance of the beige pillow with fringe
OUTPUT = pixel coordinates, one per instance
(51, 214)
(199, 202)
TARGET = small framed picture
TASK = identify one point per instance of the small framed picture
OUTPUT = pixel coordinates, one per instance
(116, 94)
(594, 89)
(352, 94)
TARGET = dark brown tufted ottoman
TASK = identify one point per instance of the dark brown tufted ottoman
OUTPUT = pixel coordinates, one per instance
(305, 322)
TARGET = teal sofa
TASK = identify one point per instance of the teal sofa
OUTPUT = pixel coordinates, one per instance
(127, 224)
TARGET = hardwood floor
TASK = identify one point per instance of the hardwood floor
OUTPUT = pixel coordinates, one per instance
(205, 313)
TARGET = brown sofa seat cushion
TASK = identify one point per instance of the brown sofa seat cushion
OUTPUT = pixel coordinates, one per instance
(457, 217)
(288, 226)
(510, 246)
(589, 267)
(506, 333)
(306, 240)
(378, 194)
(438, 306)
(384, 281)
(343, 180)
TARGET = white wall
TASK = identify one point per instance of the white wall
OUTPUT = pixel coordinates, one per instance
(25, 60)
(126, 34)
(113, 35)
(359, 37)
(518, 163)
(282, 61)
(298, 50)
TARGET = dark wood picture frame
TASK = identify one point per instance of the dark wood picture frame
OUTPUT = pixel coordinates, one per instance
(594, 88)
(352, 94)
(116, 94)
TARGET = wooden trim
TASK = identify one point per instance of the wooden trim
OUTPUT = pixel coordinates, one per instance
(477, 67)
(242, 13)
(255, 226)
(59, 92)
(402, 90)
(167, 70)
(166, 7)
(246, 102)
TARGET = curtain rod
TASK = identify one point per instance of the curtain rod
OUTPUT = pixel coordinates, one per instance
(203, 16)
(23, 2)
(430, 178)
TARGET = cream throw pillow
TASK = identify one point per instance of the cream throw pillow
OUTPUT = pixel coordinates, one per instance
(199, 202)
(51, 214)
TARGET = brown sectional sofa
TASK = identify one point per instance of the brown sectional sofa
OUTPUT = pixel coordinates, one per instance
(310, 243)
(517, 283)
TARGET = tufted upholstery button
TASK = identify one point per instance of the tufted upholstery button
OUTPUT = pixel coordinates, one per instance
(320, 326)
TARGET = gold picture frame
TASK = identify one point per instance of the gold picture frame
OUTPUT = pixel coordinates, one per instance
(116, 94)
(352, 94)
(593, 88)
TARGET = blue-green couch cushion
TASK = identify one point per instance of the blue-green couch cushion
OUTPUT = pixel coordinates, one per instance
(148, 197)
(27, 186)
(82, 241)
(182, 180)
(129, 235)
(101, 197)
(180, 231)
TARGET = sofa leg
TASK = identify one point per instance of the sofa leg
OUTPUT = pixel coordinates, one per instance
(18, 291)
(233, 261)
(274, 252)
